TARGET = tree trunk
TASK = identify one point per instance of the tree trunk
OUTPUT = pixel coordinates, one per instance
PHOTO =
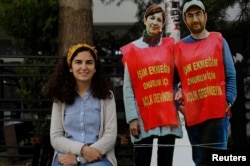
(75, 24)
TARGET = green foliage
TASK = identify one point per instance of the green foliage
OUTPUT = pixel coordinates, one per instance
(31, 85)
(32, 24)
(24, 142)
(33, 27)
(41, 129)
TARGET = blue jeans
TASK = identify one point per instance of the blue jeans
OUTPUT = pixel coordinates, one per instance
(206, 137)
(103, 162)
(143, 151)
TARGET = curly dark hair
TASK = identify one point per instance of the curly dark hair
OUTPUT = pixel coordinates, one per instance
(62, 85)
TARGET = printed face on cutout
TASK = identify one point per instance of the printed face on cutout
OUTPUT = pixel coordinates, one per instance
(154, 23)
(195, 19)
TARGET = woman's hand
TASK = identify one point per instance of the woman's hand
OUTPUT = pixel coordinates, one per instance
(179, 97)
(67, 159)
(134, 128)
(91, 154)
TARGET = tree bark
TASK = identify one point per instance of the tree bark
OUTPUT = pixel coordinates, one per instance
(75, 24)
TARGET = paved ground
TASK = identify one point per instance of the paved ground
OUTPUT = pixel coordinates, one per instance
(182, 152)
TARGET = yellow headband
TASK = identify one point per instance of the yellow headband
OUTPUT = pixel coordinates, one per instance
(75, 47)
